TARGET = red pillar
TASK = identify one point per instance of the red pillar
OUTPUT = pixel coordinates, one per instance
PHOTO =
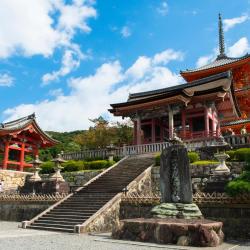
(22, 157)
(183, 122)
(135, 133)
(206, 122)
(6, 154)
(153, 130)
(138, 131)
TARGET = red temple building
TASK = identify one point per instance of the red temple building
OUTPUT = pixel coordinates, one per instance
(213, 101)
(20, 138)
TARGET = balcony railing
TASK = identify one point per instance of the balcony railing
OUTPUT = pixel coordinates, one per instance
(192, 144)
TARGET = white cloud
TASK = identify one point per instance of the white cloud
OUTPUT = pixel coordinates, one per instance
(163, 8)
(240, 48)
(230, 23)
(90, 96)
(204, 60)
(32, 27)
(40, 27)
(70, 61)
(167, 55)
(6, 80)
(126, 31)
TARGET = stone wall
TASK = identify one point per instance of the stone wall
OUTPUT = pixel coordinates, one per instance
(22, 210)
(199, 174)
(76, 178)
(13, 179)
(235, 217)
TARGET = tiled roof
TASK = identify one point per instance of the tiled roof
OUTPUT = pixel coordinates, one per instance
(217, 63)
(21, 123)
(237, 122)
(179, 87)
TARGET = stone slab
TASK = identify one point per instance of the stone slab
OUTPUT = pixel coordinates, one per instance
(184, 232)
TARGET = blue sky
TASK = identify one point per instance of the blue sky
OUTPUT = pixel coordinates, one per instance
(68, 60)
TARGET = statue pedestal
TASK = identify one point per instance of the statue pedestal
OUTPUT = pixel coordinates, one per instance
(177, 210)
(200, 233)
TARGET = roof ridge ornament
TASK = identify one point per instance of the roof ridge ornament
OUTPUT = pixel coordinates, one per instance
(221, 40)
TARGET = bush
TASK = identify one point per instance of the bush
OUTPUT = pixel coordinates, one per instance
(242, 154)
(205, 163)
(193, 156)
(98, 164)
(158, 160)
(237, 187)
(231, 153)
(47, 168)
(72, 166)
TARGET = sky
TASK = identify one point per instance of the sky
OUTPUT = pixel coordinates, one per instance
(67, 60)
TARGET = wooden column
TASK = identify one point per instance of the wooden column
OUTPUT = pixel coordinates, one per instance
(138, 131)
(153, 130)
(6, 154)
(170, 122)
(214, 123)
(206, 122)
(135, 133)
(183, 123)
(22, 157)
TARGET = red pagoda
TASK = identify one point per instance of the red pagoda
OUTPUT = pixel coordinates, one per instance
(20, 138)
(213, 101)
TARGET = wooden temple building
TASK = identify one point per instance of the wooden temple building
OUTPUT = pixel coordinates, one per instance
(20, 138)
(214, 101)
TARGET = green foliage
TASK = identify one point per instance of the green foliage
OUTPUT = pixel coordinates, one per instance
(242, 154)
(193, 157)
(28, 158)
(231, 153)
(241, 184)
(204, 163)
(101, 164)
(72, 166)
(158, 160)
(47, 168)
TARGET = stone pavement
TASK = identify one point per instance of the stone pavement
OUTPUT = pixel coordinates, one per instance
(14, 238)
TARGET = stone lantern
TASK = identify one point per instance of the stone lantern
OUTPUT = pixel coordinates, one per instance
(57, 175)
(111, 152)
(36, 168)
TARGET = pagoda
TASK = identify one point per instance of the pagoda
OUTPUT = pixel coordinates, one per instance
(20, 138)
(213, 101)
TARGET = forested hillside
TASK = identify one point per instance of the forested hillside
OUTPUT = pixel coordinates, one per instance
(100, 135)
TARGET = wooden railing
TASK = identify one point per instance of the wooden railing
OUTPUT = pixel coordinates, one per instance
(191, 144)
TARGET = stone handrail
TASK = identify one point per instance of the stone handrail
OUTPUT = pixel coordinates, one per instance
(198, 198)
(31, 197)
(237, 140)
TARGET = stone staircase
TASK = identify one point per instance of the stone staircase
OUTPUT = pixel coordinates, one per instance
(87, 200)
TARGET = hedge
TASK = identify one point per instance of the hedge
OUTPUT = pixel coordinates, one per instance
(98, 164)
(231, 154)
(47, 167)
(72, 166)
(242, 154)
(193, 156)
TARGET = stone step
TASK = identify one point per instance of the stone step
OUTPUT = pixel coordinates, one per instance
(84, 212)
(68, 216)
(48, 228)
(59, 220)
(54, 224)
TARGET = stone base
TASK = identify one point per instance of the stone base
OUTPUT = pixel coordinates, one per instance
(202, 233)
(177, 210)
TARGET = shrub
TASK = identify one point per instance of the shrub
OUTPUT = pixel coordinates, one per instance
(205, 163)
(100, 164)
(231, 153)
(193, 156)
(47, 167)
(72, 166)
(242, 154)
(238, 186)
(158, 160)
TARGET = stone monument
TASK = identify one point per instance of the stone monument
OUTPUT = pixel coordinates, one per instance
(175, 184)
(176, 220)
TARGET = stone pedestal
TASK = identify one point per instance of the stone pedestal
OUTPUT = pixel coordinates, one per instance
(177, 210)
(200, 233)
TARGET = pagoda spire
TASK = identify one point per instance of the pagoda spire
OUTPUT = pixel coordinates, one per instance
(221, 40)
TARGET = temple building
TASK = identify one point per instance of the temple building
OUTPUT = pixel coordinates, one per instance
(213, 101)
(20, 138)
